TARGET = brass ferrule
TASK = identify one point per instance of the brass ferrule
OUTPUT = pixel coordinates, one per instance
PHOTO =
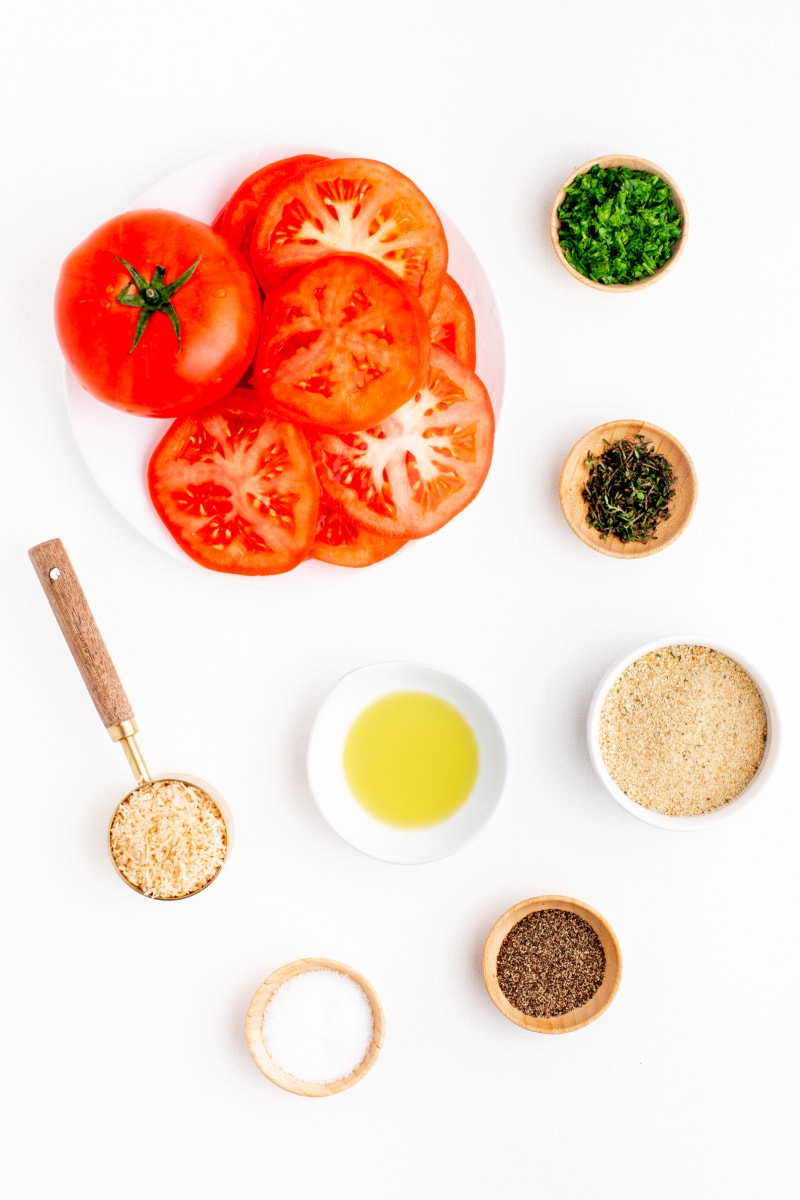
(124, 729)
(125, 733)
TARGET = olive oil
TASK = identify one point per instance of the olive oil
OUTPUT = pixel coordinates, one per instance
(411, 759)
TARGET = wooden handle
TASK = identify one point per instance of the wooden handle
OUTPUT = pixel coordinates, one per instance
(73, 614)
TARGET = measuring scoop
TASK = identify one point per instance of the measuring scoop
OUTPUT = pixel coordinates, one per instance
(170, 836)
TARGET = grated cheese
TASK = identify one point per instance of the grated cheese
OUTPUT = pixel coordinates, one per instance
(683, 730)
(168, 839)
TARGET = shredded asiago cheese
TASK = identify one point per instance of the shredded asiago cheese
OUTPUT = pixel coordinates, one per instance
(168, 839)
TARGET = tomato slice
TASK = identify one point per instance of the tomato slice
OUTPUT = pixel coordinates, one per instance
(236, 219)
(355, 205)
(409, 475)
(453, 323)
(342, 541)
(343, 344)
(236, 488)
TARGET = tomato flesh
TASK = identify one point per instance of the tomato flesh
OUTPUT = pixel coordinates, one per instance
(343, 344)
(175, 366)
(236, 488)
(453, 323)
(236, 219)
(409, 475)
(352, 205)
(343, 542)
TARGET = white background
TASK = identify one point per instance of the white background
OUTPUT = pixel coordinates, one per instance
(124, 1069)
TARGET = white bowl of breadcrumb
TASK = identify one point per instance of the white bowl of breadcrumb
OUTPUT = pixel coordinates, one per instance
(683, 732)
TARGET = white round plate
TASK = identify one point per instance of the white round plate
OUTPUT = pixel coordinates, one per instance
(715, 815)
(116, 446)
(351, 695)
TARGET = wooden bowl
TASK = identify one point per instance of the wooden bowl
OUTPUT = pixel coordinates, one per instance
(635, 164)
(272, 1069)
(575, 473)
(578, 1017)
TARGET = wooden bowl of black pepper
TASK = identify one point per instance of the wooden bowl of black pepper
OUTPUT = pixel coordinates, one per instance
(628, 489)
(552, 964)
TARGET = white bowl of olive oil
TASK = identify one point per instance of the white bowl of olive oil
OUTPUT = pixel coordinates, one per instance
(405, 762)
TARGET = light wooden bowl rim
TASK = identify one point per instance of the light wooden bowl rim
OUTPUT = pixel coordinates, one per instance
(261, 1056)
(636, 164)
(579, 1017)
(574, 475)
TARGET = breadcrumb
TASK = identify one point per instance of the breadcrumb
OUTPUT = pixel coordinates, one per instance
(683, 730)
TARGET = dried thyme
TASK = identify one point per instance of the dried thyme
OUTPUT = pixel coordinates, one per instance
(550, 963)
(628, 490)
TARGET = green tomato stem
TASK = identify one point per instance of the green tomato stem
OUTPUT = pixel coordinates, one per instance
(152, 296)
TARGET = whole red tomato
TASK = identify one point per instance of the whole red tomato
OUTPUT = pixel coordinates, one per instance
(157, 314)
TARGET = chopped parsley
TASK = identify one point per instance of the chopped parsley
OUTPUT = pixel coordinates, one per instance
(618, 225)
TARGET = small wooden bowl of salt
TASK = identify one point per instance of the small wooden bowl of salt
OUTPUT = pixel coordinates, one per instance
(315, 1027)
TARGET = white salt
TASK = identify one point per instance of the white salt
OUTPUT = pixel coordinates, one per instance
(318, 1026)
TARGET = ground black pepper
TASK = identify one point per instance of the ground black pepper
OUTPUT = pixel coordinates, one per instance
(550, 963)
